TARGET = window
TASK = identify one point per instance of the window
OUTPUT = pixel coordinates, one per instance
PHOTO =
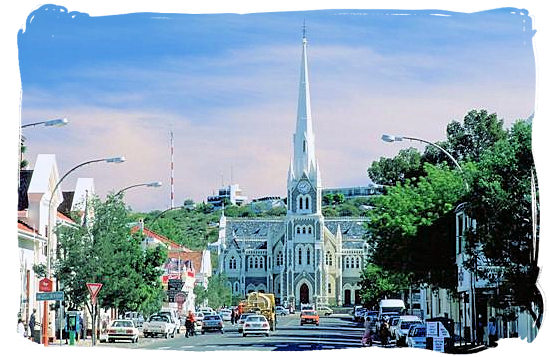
(308, 256)
(301, 203)
(307, 202)
(297, 230)
(329, 288)
(256, 263)
(310, 230)
(236, 287)
(261, 265)
(328, 259)
(232, 263)
(304, 146)
(299, 256)
(279, 258)
(250, 262)
(303, 230)
(357, 262)
(347, 262)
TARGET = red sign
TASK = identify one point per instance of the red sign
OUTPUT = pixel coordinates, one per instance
(94, 288)
(45, 285)
(191, 274)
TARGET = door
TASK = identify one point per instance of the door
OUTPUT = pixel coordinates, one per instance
(347, 297)
(304, 294)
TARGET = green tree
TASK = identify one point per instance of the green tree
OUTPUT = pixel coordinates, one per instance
(500, 201)
(339, 198)
(218, 292)
(406, 165)
(328, 199)
(200, 294)
(105, 251)
(377, 283)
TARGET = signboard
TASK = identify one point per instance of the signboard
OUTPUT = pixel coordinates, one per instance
(431, 329)
(439, 344)
(94, 288)
(53, 295)
(179, 298)
(45, 285)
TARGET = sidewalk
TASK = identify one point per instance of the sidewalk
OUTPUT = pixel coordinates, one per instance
(467, 349)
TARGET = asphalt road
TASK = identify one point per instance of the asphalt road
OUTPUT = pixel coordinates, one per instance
(334, 332)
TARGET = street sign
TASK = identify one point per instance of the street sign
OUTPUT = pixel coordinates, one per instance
(53, 295)
(431, 329)
(439, 344)
(45, 285)
(94, 288)
(179, 298)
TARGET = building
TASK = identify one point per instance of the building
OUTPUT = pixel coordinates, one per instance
(231, 193)
(302, 257)
(355, 191)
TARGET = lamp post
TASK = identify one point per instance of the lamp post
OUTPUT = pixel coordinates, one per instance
(117, 160)
(392, 138)
(150, 184)
(48, 123)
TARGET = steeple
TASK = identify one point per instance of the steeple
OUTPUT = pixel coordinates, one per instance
(304, 160)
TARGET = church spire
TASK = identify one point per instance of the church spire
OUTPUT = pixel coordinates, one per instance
(304, 160)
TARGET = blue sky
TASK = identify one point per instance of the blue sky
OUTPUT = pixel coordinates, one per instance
(227, 86)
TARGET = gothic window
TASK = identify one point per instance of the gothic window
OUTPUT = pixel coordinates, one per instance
(303, 230)
(307, 202)
(261, 262)
(279, 259)
(299, 256)
(328, 259)
(236, 287)
(304, 146)
(308, 256)
(310, 230)
(256, 263)
(347, 262)
(357, 262)
(232, 263)
(301, 204)
(297, 230)
(250, 262)
(329, 288)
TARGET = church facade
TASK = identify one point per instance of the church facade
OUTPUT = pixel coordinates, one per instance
(302, 257)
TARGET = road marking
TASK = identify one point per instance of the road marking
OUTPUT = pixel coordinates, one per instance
(304, 346)
(281, 345)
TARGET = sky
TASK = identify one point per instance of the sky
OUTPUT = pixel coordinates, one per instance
(227, 86)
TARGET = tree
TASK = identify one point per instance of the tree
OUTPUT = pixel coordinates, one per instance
(339, 198)
(398, 226)
(377, 283)
(406, 165)
(105, 251)
(219, 292)
(328, 199)
(200, 294)
(500, 201)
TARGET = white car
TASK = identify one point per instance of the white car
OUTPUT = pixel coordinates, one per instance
(225, 314)
(122, 330)
(279, 310)
(159, 325)
(206, 309)
(172, 313)
(324, 310)
(256, 324)
(402, 328)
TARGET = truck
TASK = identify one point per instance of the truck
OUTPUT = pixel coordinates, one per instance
(260, 303)
(387, 306)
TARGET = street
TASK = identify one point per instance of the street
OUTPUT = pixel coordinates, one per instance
(334, 332)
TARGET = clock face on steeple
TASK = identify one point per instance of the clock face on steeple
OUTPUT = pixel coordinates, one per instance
(303, 187)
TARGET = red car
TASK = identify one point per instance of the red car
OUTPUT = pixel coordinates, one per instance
(309, 317)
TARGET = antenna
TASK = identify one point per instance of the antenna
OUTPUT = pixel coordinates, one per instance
(172, 193)
(304, 29)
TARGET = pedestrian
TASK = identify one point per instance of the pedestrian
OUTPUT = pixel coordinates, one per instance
(232, 316)
(21, 327)
(492, 332)
(367, 335)
(84, 325)
(32, 323)
(479, 331)
(81, 326)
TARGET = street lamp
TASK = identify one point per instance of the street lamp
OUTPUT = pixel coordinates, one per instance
(118, 159)
(150, 184)
(47, 123)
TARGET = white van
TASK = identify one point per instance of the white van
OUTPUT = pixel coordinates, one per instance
(391, 305)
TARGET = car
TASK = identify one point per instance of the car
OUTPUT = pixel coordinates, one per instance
(370, 313)
(393, 324)
(404, 323)
(386, 316)
(122, 330)
(306, 307)
(324, 310)
(225, 314)
(309, 317)
(256, 324)
(159, 325)
(212, 323)
(206, 309)
(279, 310)
(241, 320)
(417, 336)
(173, 316)
(358, 313)
(136, 317)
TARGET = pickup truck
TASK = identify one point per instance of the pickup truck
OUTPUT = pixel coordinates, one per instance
(159, 325)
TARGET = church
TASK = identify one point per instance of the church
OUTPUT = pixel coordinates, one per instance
(302, 257)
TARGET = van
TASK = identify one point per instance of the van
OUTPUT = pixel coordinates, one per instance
(391, 305)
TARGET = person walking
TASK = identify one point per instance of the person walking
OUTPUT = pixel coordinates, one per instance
(232, 316)
(32, 323)
(21, 327)
(492, 332)
(480, 331)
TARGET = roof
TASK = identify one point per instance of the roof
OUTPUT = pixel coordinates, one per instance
(64, 218)
(25, 227)
(193, 256)
(149, 233)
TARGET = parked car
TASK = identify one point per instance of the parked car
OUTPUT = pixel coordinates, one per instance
(309, 317)
(393, 324)
(417, 336)
(206, 309)
(212, 323)
(256, 324)
(324, 310)
(279, 310)
(136, 317)
(225, 314)
(242, 319)
(402, 329)
(159, 325)
(173, 316)
(122, 330)
(358, 313)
